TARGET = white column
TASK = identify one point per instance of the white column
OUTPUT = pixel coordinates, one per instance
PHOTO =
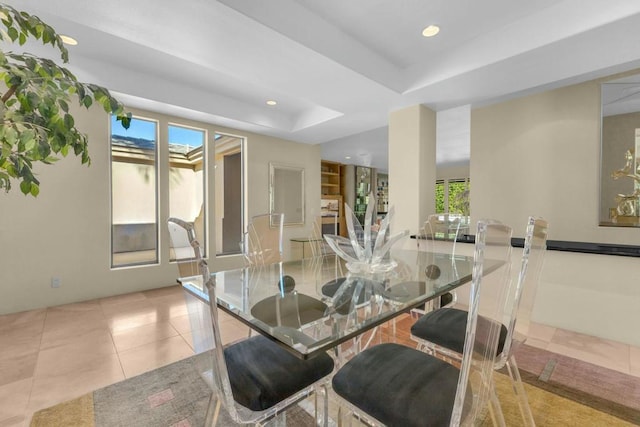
(412, 166)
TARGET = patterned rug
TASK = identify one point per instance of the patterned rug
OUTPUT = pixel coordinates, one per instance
(603, 389)
(176, 396)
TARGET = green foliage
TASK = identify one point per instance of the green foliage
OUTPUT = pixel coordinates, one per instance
(35, 123)
(459, 197)
(440, 197)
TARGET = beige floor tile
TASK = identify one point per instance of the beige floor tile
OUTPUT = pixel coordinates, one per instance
(124, 298)
(14, 398)
(67, 379)
(169, 305)
(232, 331)
(135, 337)
(609, 354)
(18, 421)
(80, 351)
(188, 337)
(131, 314)
(73, 308)
(9, 322)
(65, 327)
(533, 342)
(181, 323)
(541, 332)
(17, 368)
(154, 355)
(634, 368)
(20, 341)
(162, 292)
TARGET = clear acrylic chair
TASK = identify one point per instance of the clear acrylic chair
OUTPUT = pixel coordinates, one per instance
(440, 234)
(256, 379)
(185, 250)
(442, 331)
(262, 243)
(391, 384)
(327, 223)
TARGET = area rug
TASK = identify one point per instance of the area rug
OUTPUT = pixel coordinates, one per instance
(176, 396)
(603, 389)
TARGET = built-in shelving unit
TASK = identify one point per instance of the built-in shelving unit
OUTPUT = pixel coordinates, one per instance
(330, 178)
(382, 193)
(331, 190)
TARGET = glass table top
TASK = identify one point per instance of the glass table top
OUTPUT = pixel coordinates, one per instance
(312, 305)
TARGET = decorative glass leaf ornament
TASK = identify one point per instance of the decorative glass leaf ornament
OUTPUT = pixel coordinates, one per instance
(367, 247)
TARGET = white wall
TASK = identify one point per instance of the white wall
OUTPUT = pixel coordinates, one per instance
(65, 231)
(539, 155)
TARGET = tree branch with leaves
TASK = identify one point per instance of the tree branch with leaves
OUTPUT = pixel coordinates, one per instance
(35, 123)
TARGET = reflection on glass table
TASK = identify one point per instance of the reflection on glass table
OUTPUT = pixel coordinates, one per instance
(305, 322)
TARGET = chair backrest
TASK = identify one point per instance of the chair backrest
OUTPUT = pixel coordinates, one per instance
(489, 286)
(185, 249)
(522, 295)
(219, 374)
(262, 244)
(322, 223)
(440, 232)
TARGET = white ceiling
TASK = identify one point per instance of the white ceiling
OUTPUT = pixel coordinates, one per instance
(337, 68)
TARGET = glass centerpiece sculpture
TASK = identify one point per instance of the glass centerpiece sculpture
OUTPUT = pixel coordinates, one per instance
(367, 248)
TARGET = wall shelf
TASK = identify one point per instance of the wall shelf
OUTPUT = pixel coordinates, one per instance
(331, 189)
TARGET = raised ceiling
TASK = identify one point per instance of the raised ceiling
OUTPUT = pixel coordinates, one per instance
(337, 68)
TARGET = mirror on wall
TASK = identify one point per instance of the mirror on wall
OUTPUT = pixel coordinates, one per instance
(620, 153)
(286, 188)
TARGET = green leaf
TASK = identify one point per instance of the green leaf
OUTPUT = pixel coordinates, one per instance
(10, 135)
(64, 106)
(13, 33)
(68, 121)
(25, 187)
(36, 122)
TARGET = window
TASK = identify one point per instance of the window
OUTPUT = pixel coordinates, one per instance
(452, 196)
(187, 178)
(144, 194)
(134, 207)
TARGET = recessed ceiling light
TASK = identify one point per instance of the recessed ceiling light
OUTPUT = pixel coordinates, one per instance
(68, 40)
(271, 102)
(431, 31)
(347, 157)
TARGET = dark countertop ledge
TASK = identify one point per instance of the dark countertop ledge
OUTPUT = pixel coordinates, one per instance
(567, 246)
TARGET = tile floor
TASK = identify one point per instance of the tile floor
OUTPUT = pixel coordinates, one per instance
(51, 355)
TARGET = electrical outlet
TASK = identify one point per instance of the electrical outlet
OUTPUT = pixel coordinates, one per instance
(56, 282)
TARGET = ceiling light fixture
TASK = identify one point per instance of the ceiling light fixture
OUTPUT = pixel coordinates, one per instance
(347, 157)
(431, 31)
(271, 102)
(68, 40)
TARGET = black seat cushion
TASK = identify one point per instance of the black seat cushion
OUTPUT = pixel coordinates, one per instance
(292, 309)
(342, 304)
(262, 373)
(446, 327)
(400, 386)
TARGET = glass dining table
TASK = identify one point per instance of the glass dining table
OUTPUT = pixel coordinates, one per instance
(313, 305)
